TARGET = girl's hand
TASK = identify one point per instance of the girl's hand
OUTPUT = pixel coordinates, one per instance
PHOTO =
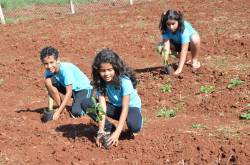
(56, 114)
(98, 140)
(113, 140)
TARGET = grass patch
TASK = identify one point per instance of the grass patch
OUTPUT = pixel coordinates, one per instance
(198, 126)
(207, 89)
(166, 113)
(13, 4)
(245, 115)
(167, 88)
(234, 82)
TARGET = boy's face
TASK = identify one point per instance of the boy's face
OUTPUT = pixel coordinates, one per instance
(172, 25)
(107, 72)
(50, 64)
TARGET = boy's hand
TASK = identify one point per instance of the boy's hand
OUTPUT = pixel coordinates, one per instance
(177, 72)
(56, 114)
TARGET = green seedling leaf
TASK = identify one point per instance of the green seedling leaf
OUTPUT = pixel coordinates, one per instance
(234, 82)
(166, 113)
(245, 115)
(248, 104)
(97, 109)
(198, 126)
(207, 89)
(166, 88)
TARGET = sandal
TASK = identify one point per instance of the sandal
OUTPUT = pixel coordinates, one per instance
(196, 65)
(188, 62)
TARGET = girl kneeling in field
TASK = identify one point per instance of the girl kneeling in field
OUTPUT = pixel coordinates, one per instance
(114, 81)
(179, 35)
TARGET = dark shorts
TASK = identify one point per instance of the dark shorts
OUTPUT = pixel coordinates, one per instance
(177, 46)
(78, 96)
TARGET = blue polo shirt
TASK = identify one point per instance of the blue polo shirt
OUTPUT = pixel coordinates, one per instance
(115, 95)
(69, 74)
(178, 37)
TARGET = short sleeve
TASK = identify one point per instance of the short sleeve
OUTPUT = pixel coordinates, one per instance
(165, 36)
(127, 87)
(68, 77)
(185, 37)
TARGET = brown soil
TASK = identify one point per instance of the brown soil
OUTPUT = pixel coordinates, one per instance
(222, 137)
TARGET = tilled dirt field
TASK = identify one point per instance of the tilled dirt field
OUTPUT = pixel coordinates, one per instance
(206, 129)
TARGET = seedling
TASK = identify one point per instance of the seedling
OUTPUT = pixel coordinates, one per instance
(145, 120)
(207, 89)
(96, 109)
(164, 53)
(198, 126)
(245, 115)
(166, 113)
(234, 82)
(166, 88)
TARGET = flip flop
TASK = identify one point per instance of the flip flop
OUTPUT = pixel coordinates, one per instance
(196, 65)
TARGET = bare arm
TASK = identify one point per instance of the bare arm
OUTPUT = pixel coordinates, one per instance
(64, 102)
(166, 45)
(183, 56)
(115, 135)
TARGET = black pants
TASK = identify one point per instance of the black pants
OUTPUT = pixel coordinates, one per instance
(134, 118)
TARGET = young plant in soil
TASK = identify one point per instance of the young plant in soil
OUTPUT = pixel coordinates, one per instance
(207, 89)
(234, 82)
(198, 126)
(96, 109)
(245, 115)
(166, 88)
(166, 113)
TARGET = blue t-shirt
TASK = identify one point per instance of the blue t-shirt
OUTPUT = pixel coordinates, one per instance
(69, 74)
(115, 95)
(178, 37)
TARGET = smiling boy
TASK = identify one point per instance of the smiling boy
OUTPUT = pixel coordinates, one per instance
(65, 78)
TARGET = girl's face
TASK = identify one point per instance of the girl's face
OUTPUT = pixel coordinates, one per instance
(50, 64)
(172, 25)
(107, 72)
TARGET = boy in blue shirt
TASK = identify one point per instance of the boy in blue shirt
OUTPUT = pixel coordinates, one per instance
(65, 78)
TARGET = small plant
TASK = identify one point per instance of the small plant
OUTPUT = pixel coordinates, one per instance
(198, 126)
(234, 82)
(166, 88)
(245, 115)
(207, 89)
(97, 109)
(145, 120)
(166, 113)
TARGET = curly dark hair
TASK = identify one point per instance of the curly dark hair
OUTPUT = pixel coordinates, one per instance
(49, 51)
(171, 15)
(121, 70)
